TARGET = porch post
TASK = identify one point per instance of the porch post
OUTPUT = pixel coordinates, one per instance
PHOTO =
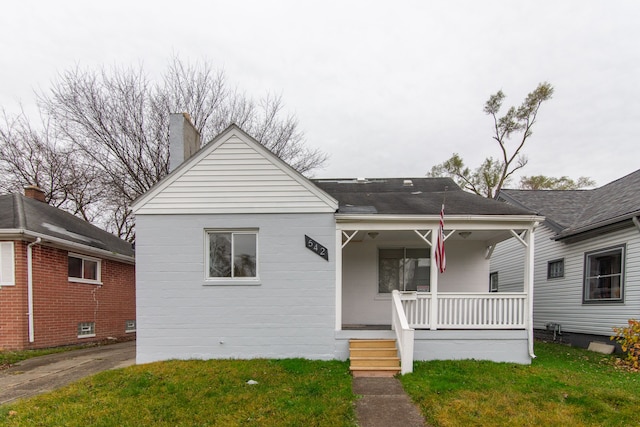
(529, 280)
(338, 264)
(433, 321)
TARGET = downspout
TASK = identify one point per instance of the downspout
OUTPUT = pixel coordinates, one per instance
(531, 275)
(30, 287)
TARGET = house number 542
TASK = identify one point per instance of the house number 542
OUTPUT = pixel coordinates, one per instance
(316, 247)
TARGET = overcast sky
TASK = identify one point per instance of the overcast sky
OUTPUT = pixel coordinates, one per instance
(386, 88)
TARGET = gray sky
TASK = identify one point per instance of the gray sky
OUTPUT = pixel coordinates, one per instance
(385, 88)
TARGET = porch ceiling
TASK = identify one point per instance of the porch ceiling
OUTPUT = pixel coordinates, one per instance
(489, 236)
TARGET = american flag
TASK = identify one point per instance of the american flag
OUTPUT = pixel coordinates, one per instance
(441, 259)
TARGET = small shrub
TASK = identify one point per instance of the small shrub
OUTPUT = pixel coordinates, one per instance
(629, 339)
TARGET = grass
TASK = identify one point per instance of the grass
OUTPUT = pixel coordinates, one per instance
(9, 357)
(290, 392)
(563, 386)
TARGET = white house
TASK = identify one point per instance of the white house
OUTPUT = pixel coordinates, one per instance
(240, 256)
(587, 259)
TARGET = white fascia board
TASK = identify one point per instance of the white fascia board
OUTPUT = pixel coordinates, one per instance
(57, 242)
(233, 130)
(457, 222)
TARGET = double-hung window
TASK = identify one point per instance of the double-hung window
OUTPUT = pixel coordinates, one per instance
(84, 269)
(232, 255)
(7, 269)
(604, 275)
(404, 269)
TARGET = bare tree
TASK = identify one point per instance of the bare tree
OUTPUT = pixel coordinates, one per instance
(493, 174)
(113, 126)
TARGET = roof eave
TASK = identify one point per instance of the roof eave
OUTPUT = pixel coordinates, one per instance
(598, 228)
(22, 234)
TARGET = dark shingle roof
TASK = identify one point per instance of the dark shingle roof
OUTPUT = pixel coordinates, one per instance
(20, 212)
(572, 212)
(391, 196)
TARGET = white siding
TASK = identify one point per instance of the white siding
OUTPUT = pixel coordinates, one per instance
(235, 176)
(560, 300)
(289, 314)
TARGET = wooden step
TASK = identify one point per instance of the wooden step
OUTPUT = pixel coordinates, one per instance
(373, 352)
(381, 362)
(362, 343)
(373, 357)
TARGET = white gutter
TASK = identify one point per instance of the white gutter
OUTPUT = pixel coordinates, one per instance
(30, 287)
(436, 217)
(77, 247)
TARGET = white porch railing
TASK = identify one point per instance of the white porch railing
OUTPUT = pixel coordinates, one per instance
(404, 334)
(466, 310)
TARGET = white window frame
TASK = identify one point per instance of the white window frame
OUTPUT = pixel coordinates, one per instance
(7, 264)
(90, 327)
(231, 280)
(588, 256)
(404, 249)
(98, 261)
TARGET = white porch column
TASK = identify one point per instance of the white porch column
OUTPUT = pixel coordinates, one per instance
(433, 321)
(338, 262)
(529, 280)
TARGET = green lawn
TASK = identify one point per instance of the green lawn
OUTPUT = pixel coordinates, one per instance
(564, 386)
(291, 392)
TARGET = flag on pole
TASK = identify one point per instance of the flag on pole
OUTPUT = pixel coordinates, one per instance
(441, 259)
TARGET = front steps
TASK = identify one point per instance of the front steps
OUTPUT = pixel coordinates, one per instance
(373, 358)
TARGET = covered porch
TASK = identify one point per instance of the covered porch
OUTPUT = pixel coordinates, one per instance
(388, 286)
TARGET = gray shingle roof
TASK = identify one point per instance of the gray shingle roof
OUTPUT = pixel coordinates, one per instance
(20, 212)
(390, 196)
(572, 212)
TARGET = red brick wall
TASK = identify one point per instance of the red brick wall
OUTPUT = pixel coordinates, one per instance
(59, 305)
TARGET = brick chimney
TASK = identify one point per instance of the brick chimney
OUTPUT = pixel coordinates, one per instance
(184, 139)
(34, 192)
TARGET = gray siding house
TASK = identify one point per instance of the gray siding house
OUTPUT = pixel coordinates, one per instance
(587, 259)
(240, 256)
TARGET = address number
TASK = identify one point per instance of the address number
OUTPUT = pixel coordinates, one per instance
(316, 247)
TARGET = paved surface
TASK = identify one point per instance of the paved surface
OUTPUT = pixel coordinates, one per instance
(46, 373)
(384, 403)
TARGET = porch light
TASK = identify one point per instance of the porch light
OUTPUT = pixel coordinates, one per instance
(464, 234)
(373, 234)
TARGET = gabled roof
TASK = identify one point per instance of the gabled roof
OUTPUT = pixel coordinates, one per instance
(574, 212)
(234, 173)
(411, 196)
(20, 215)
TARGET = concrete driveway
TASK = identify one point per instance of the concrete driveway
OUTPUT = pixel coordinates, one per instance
(47, 373)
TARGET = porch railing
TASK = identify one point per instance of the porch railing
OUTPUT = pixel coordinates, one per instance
(404, 333)
(466, 310)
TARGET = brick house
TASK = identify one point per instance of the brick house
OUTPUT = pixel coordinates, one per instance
(63, 281)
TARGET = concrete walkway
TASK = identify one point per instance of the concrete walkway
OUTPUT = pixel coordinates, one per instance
(384, 403)
(47, 373)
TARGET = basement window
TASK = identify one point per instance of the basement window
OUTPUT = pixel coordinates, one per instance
(130, 326)
(86, 329)
(84, 269)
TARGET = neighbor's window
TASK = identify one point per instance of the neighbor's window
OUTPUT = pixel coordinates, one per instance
(404, 269)
(232, 254)
(86, 329)
(555, 269)
(493, 282)
(7, 273)
(84, 269)
(603, 278)
(130, 326)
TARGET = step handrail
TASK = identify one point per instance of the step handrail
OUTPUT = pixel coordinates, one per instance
(404, 334)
